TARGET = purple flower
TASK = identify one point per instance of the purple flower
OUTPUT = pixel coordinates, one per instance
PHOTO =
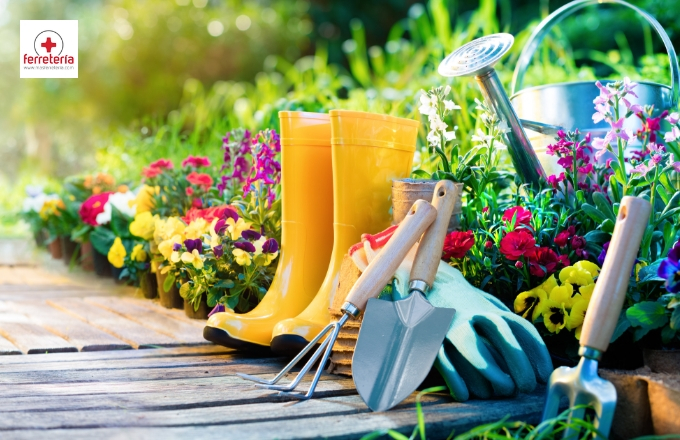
(673, 118)
(270, 246)
(194, 244)
(251, 235)
(218, 251)
(603, 254)
(265, 168)
(219, 308)
(176, 247)
(670, 269)
(554, 180)
(245, 246)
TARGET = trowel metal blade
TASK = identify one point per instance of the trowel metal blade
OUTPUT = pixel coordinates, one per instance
(398, 343)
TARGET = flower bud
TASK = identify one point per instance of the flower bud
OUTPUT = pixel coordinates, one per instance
(519, 264)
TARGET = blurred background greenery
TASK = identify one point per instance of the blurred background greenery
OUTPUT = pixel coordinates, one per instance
(167, 78)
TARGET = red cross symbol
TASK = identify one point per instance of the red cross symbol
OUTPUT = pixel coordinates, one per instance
(48, 45)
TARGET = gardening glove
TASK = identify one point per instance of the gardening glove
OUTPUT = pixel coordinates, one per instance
(488, 351)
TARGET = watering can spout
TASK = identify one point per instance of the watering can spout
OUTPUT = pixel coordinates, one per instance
(477, 59)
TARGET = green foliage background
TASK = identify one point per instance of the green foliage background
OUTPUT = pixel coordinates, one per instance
(153, 82)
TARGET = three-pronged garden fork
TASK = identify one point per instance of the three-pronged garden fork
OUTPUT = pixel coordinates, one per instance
(369, 285)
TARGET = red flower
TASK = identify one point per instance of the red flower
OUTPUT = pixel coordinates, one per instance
(563, 260)
(189, 191)
(523, 215)
(204, 181)
(517, 243)
(92, 207)
(456, 244)
(197, 203)
(196, 162)
(578, 242)
(563, 237)
(209, 214)
(542, 261)
(162, 164)
(150, 172)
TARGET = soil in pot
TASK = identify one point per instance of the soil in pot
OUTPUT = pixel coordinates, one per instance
(171, 298)
(55, 248)
(149, 285)
(662, 361)
(102, 267)
(201, 313)
(69, 249)
(87, 257)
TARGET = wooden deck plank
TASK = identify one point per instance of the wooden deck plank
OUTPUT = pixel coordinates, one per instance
(132, 310)
(83, 336)
(128, 331)
(31, 338)
(7, 348)
(441, 420)
(173, 313)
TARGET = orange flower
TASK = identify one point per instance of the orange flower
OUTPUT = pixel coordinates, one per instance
(96, 190)
(123, 188)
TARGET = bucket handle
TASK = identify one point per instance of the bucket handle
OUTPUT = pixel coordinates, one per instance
(544, 27)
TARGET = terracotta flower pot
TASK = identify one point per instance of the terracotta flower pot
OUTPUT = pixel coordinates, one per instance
(69, 248)
(87, 257)
(149, 285)
(102, 267)
(662, 361)
(201, 313)
(55, 248)
(405, 192)
(171, 298)
(40, 238)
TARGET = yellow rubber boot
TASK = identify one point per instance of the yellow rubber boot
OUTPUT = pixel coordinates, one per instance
(307, 234)
(369, 150)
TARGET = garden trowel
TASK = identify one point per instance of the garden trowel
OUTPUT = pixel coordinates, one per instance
(399, 341)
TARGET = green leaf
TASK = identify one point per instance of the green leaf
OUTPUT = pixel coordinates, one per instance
(120, 223)
(169, 282)
(224, 284)
(598, 237)
(232, 301)
(102, 239)
(648, 315)
(667, 334)
(214, 296)
(421, 174)
(621, 326)
(184, 290)
(675, 319)
(603, 205)
(594, 213)
(650, 273)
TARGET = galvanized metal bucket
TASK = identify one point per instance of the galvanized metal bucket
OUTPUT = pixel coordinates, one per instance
(570, 105)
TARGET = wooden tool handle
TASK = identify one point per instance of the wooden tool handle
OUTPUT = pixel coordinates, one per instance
(612, 284)
(430, 248)
(385, 264)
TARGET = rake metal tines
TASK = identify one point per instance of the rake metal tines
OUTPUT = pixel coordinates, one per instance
(584, 389)
(325, 349)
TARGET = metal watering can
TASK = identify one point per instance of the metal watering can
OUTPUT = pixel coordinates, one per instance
(546, 109)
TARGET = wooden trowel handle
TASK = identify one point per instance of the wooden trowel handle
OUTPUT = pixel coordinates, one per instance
(429, 251)
(612, 284)
(385, 264)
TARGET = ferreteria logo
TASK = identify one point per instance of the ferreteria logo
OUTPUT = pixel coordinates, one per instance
(48, 48)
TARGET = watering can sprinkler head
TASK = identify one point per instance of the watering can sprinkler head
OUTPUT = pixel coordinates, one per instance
(477, 59)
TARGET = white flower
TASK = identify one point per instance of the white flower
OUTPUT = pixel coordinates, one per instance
(451, 135)
(673, 118)
(121, 202)
(672, 135)
(447, 90)
(433, 139)
(428, 104)
(481, 137)
(35, 203)
(436, 123)
(503, 127)
(450, 105)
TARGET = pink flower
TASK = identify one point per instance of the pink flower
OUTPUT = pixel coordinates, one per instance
(151, 172)
(162, 164)
(203, 181)
(619, 132)
(601, 145)
(523, 216)
(92, 207)
(673, 118)
(566, 162)
(562, 238)
(578, 242)
(554, 180)
(189, 191)
(517, 243)
(457, 243)
(195, 162)
(586, 169)
(672, 135)
(641, 169)
(628, 86)
(542, 261)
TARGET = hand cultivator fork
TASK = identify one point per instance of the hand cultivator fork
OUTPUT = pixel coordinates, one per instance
(581, 384)
(372, 281)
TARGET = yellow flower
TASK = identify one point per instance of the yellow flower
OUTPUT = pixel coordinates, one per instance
(549, 284)
(51, 207)
(138, 253)
(562, 295)
(587, 291)
(165, 248)
(235, 228)
(589, 267)
(639, 266)
(576, 275)
(117, 253)
(242, 257)
(554, 316)
(165, 229)
(196, 228)
(532, 302)
(193, 258)
(144, 225)
(144, 199)
(576, 317)
(174, 257)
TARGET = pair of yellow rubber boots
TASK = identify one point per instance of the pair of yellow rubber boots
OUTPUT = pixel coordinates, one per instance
(337, 170)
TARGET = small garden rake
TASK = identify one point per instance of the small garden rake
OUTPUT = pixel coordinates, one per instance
(581, 384)
(369, 285)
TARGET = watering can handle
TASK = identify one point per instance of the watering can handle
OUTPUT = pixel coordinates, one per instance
(544, 27)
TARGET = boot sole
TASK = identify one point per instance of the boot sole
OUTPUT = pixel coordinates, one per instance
(288, 345)
(221, 337)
